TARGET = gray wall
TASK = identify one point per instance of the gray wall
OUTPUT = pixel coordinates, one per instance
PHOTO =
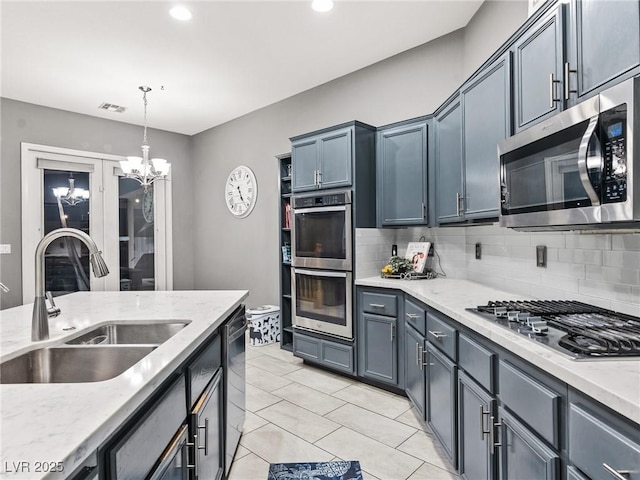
(25, 122)
(233, 253)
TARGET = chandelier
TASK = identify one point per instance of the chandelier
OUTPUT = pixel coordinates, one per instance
(142, 169)
(71, 195)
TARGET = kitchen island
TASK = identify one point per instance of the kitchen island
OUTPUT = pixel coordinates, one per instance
(61, 425)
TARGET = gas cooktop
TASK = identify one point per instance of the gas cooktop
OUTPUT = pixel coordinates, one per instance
(579, 330)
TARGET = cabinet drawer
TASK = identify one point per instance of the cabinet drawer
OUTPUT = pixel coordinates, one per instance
(380, 303)
(305, 347)
(337, 356)
(532, 401)
(441, 334)
(593, 443)
(477, 361)
(415, 315)
(202, 369)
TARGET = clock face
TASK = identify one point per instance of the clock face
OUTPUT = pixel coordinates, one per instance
(241, 191)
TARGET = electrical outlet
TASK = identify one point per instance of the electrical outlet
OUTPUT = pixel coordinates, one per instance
(5, 248)
(478, 251)
(541, 256)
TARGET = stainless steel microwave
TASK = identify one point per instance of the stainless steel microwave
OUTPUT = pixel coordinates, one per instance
(575, 171)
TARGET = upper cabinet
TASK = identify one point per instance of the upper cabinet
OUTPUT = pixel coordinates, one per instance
(402, 174)
(449, 165)
(537, 71)
(604, 39)
(486, 122)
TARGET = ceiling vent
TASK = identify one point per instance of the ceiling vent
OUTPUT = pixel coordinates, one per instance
(110, 107)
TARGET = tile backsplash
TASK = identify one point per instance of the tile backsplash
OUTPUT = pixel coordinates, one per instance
(599, 269)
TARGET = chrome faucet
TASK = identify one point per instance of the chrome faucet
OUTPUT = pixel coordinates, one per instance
(41, 314)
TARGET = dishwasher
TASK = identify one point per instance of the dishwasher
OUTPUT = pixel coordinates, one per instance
(234, 383)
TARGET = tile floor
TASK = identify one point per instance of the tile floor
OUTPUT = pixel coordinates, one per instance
(296, 412)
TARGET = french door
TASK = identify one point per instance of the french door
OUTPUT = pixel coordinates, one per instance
(130, 225)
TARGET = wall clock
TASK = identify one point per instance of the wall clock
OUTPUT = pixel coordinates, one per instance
(241, 191)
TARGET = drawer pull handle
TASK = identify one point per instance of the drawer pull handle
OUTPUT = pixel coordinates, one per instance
(618, 474)
(483, 432)
(412, 316)
(393, 327)
(438, 335)
(493, 427)
(376, 305)
(420, 357)
(552, 91)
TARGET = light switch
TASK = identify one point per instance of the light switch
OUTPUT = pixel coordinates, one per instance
(5, 248)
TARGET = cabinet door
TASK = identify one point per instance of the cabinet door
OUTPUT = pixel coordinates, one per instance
(335, 159)
(475, 409)
(537, 71)
(449, 185)
(304, 161)
(402, 175)
(378, 348)
(522, 455)
(441, 400)
(486, 109)
(208, 428)
(414, 368)
(606, 44)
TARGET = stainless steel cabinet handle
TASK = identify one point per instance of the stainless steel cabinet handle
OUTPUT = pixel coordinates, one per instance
(412, 316)
(420, 357)
(552, 91)
(315, 177)
(319, 178)
(417, 354)
(376, 305)
(195, 455)
(424, 210)
(458, 197)
(492, 435)
(619, 474)
(483, 432)
(438, 335)
(567, 81)
(393, 327)
(4, 288)
(206, 437)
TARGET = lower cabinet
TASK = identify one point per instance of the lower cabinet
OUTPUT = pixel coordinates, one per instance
(414, 373)
(331, 354)
(441, 400)
(378, 348)
(521, 454)
(476, 409)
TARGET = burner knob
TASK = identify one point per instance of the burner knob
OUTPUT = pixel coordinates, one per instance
(500, 311)
(513, 316)
(537, 325)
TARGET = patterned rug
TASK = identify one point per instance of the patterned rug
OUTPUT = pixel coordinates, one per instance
(344, 470)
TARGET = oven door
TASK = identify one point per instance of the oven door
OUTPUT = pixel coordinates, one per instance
(322, 237)
(323, 301)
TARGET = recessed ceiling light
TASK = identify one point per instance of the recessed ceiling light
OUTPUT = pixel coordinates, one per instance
(322, 5)
(180, 13)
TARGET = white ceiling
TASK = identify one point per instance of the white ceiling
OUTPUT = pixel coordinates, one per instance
(231, 58)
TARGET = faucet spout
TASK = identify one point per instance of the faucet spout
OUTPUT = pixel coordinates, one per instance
(40, 319)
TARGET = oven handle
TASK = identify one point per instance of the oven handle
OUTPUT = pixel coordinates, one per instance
(320, 273)
(335, 208)
(583, 160)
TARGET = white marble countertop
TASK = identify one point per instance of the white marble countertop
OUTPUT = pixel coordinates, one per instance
(615, 383)
(68, 422)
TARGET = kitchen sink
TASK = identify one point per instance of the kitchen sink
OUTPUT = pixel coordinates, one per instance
(130, 333)
(71, 364)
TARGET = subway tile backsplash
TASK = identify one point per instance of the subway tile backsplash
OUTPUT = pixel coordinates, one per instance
(595, 268)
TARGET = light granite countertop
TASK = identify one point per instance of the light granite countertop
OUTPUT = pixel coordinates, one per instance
(67, 422)
(615, 383)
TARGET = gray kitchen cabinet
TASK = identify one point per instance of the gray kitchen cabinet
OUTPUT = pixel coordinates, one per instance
(207, 432)
(486, 122)
(414, 372)
(604, 46)
(331, 354)
(378, 348)
(449, 163)
(521, 454)
(441, 400)
(402, 174)
(476, 407)
(305, 155)
(537, 71)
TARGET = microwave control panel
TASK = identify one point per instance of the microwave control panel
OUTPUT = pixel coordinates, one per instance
(341, 198)
(614, 128)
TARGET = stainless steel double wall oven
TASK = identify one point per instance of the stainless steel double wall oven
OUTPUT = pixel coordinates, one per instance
(322, 258)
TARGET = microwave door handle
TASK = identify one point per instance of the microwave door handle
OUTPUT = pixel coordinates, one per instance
(583, 159)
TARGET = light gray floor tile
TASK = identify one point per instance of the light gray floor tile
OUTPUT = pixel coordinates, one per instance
(309, 398)
(257, 399)
(412, 418)
(241, 452)
(298, 420)
(249, 467)
(375, 457)
(388, 405)
(422, 446)
(265, 380)
(319, 379)
(371, 424)
(431, 472)
(252, 421)
(284, 355)
(276, 445)
(273, 365)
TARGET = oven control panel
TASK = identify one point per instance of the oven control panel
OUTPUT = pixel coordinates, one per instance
(341, 198)
(614, 151)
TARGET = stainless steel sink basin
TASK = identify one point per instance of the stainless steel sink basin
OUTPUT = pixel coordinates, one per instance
(71, 364)
(129, 333)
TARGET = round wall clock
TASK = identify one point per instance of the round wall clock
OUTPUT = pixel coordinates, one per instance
(241, 191)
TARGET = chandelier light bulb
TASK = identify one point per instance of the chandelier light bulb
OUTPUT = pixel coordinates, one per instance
(180, 12)
(322, 5)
